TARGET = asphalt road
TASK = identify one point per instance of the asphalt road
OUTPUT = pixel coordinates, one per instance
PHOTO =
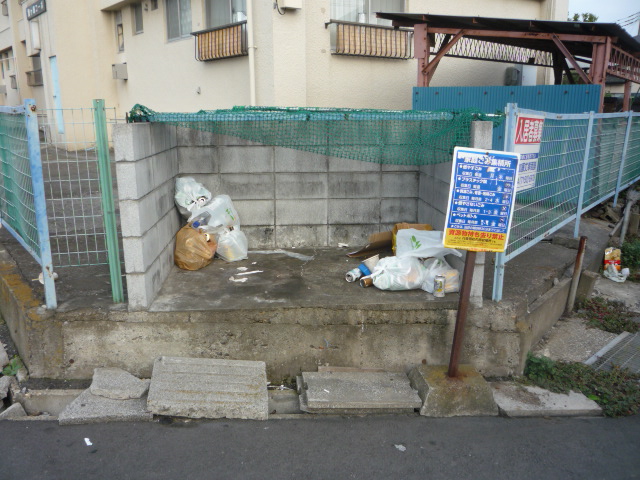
(402, 447)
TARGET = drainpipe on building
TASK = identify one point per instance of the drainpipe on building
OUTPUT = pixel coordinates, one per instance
(252, 54)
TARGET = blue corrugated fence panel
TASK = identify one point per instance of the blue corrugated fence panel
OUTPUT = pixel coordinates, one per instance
(548, 98)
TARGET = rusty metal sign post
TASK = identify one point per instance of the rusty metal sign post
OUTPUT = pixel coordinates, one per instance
(479, 212)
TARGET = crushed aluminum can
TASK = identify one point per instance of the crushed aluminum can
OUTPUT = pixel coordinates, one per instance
(366, 282)
(353, 275)
(438, 286)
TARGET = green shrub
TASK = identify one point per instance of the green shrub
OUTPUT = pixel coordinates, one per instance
(630, 253)
(617, 391)
(608, 315)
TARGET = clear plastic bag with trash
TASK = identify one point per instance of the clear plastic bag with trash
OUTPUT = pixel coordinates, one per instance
(422, 244)
(232, 245)
(398, 273)
(439, 266)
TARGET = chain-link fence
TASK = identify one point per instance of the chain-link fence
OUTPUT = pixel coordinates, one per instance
(56, 192)
(22, 199)
(583, 160)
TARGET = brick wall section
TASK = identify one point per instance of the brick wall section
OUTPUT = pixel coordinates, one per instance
(290, 198)
(146, 166)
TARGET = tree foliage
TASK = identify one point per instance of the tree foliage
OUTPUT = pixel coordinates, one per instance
(583, 17)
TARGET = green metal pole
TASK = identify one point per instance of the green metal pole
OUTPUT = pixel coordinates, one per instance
(108, 207)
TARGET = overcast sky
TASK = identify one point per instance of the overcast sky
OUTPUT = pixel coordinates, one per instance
(608, 11)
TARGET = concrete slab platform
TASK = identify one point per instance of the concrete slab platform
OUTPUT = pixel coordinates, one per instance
(358, 392)
(515, 400)
(209, 388)
(89, 408)
(117, 384)
(466, 395)
(283, 281)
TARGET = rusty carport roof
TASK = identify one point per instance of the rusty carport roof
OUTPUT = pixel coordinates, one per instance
(606, 47)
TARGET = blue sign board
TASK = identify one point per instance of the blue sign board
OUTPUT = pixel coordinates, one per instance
(481, 199)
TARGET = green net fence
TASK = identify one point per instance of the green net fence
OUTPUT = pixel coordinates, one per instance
(399, 137)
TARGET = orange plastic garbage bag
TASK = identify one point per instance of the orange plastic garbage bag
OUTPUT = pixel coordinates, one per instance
(194, 248)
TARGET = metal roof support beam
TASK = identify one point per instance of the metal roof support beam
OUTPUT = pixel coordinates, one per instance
(567, 54)
(431, 66)
(626, 102)
(422, 51)
(564, 37)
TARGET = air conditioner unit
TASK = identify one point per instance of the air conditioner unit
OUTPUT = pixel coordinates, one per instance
(119, 71)
(291, 4)
(513, 76)
(13, 82)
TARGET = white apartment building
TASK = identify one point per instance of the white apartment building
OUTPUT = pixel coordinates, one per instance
(187, 55)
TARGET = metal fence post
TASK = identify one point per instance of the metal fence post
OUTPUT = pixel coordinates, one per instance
(624, 156)
(500, 259)
(40, 205)
(583, 177)
(108, 207)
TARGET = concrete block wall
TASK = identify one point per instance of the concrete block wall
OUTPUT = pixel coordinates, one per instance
(291, 198)
(146, 166)
(435, 180)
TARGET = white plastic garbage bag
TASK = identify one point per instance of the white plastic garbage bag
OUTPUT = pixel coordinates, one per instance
(438, 266)
(398, 273)
(218, 213)
(232, 245)
(422, 244)
(613, 274)
(190, 195)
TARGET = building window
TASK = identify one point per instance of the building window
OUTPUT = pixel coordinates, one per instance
(6, 62)
(119, 31)
(364, 11)
(136, 9)
(34, 76)
(178, 14)
(224, 12)
(154, 4)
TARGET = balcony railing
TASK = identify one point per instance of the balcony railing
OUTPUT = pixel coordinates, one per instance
(364, 40)
(34, 78)
(221, 42)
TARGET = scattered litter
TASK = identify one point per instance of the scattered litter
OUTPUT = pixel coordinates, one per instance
(238, 280)
(249, 273)
(88, 442)
(343, 245)
(243, 269)
(617, 276)
(326, 342)
(401, 447)
(299, 256)
(326, 390)
(254, 263)
(612, 257)
(41, 278)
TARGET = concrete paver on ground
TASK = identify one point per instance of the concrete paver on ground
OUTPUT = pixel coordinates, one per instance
(515, 400)
(209, 388)
(89, 408)
(357, 392)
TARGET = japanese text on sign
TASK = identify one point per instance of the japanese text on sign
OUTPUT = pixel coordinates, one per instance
(481, 199)
(529, 130)
(527, 144)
